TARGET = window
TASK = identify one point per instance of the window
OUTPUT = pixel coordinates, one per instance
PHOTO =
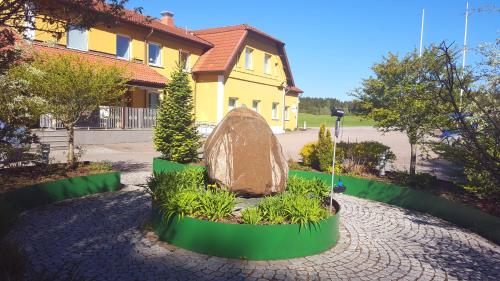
(184, 60)
(275, 110)
(123, 47)
(232, 104)
(154, 54)
(78, 38)
(286, 112)
(267, 64)
(154, 100)
(248, 58)
(255, 105)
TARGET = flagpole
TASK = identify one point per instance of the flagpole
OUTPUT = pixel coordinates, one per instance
(422, 33)
(465, 48)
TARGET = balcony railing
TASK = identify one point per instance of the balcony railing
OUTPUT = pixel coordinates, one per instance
(115, 117)
(109, 117)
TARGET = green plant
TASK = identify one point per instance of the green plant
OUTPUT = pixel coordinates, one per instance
(311, 188)
(182, 203)
(216, 205)
(175, 133)
(72, 86)
(359, 157)
(307, 153)
(251, 215)
(100, 166)
(303, 210)
(322, 156)
(271, 210)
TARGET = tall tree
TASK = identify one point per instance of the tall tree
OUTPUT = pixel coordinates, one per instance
(398, 98)
(71, 87)
(175, 134)
(475, 120)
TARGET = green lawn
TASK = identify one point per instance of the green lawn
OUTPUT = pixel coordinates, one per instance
(348, 121)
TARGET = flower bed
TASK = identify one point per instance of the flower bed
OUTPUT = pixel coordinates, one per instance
(194, 213)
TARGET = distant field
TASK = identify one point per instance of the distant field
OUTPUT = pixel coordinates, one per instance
(348, 121)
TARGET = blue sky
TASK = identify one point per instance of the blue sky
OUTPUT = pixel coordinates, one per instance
(331, 45)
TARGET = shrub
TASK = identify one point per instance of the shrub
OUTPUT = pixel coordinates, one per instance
(175, 134)
(251, 215)
(310, 188)
(271, 210)
(366, 154)
(216, 205)
(292, 208)
(323, 155)
(307, 153)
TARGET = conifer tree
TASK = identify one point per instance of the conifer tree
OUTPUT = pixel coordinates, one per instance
(175, 134)
(324, 150)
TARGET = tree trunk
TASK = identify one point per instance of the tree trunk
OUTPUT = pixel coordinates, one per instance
(413, 158)
(71, 146)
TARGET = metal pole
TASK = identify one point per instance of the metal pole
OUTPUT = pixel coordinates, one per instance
(465, 49)
(335, 135)
(422, 33)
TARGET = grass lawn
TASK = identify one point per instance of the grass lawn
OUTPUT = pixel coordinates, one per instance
(348, 121)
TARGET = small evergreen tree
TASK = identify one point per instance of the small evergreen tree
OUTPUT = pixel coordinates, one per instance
(324, 150)
(175, 134)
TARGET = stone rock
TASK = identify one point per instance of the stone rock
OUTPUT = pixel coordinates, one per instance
(243, 154)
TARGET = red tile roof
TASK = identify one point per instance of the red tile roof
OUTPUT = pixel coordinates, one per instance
(140, 73)
(227, 42)
(142, 20)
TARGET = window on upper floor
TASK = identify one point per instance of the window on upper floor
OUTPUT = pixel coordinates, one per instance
(123, 47)
(248, 58)
(267, 63)
(184, 60)
(275, 110)
(154, 54)
(78, 38)
(255, 105)
(232, 104)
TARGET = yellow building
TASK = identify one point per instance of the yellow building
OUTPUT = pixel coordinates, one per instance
(229, 66)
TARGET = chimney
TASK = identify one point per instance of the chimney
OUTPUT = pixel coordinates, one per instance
(167, 18)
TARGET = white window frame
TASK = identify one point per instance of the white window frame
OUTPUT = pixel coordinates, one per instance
(129, 46)
(274, 111)
(257, 107)
(67, 38)
(249, 58)
(160, 54)
(267, 63)
(287, 113)
(187, 67)
(229, 107)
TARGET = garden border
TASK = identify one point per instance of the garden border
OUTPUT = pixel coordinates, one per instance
(248, 241)
(19, 200)
(468, 217)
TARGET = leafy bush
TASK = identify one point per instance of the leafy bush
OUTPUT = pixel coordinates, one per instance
(307, 153)
(366, 154)
(310, 188)
(251, 215)
(216, 205)
(271, 210)
(292, 208)
(184, 194)
(100, 166)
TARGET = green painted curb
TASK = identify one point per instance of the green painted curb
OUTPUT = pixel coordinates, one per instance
(480, 222)
(246, 241)
(19, 200)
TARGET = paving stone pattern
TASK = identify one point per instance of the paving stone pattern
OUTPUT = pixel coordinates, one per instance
(101, 235)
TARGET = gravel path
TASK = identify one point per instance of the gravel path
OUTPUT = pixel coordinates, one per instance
(101, 234)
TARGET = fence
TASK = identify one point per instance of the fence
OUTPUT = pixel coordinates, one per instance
(109, 117)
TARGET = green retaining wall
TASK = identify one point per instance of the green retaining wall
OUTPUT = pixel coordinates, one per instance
(246, 241)
(480, 222)
(18, 200)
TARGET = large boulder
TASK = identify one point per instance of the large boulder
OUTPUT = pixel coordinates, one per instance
(243, 154)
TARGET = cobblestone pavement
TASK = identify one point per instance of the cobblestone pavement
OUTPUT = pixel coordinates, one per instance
(101, 235)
